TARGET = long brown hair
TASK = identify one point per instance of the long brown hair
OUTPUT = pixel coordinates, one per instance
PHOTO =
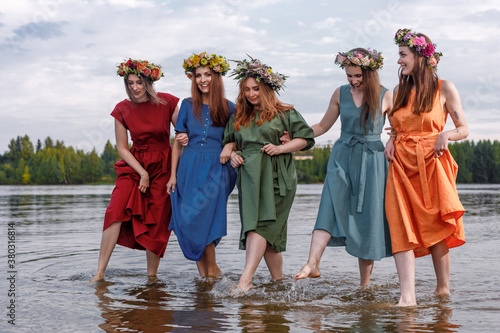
(219, 106)
(271, 106)
(425, 81)
(150, 90)
(371, 91)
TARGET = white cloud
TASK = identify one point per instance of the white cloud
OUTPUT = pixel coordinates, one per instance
(59, 56)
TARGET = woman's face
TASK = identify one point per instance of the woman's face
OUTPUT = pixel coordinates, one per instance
(137, 87)
(252, 92)
(354, 76)
(406, 60)
(203, 77)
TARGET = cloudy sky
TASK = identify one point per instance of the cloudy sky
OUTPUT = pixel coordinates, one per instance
(59, 57)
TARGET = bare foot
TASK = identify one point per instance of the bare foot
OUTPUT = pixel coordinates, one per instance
(400, 304)
(308, 271)
(442, 292)
(214, 272)
(244, 286)
(97, 277)
(405, 302)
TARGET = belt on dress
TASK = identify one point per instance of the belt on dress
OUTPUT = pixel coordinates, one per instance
(422, 170)
(285, 182)
(150, 147)
(352, 140)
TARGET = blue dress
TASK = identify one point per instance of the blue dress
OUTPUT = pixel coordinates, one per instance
(352, 203)
(203, 184)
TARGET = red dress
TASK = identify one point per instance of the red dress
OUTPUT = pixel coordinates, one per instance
(146, 216)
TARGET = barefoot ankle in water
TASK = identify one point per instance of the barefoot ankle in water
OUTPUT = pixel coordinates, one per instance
(97, 277)
(308, 271)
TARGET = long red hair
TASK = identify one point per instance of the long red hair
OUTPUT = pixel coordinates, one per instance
(219, 106)
(245, 111)
(425, 81)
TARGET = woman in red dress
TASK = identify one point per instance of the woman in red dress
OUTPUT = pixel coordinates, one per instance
(139, 212)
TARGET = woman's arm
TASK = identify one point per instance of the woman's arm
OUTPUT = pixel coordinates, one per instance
(289, 147)
(176, 155)
(122, 146)
(227, 152)
(331, 115)
(453, 105)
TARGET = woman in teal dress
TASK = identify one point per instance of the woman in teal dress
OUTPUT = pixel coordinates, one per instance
(201, 179)
(267, 178)
(351, 211)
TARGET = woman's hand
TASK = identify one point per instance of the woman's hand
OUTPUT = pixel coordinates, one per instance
(389, 149)
(236, 160)
(182, 138)
(285, 138)
(391, 131)
(441, 145)
(144, 182)
(227, 152)
(171, 184)
(271, 149)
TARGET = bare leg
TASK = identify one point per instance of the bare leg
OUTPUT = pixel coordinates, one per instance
(365, 271)
(108, 243)
(319, 241)
(153, 263)
(207, 266)
(441, 260)
(405, 265)
(274, 262)
(255, 249)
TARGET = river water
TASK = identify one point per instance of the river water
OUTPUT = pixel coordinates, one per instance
(54, 235)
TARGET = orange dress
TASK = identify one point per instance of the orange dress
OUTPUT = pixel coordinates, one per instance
(422, 203)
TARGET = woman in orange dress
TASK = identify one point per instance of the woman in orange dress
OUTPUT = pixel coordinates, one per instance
(422, 204)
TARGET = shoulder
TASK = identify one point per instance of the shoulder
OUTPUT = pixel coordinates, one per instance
(395, 90)
(123, 105)
(168, 97)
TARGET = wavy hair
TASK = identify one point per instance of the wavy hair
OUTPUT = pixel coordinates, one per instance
(219, 106)
(245, 111)
(425, 81)
(150, 90)
(371, 92)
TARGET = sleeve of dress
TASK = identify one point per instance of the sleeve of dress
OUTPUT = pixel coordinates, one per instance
(231, 107)
(117, 114)
(182, 117)
(229, 131)
(299, 128)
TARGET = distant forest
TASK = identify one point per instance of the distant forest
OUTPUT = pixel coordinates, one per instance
(51, 163)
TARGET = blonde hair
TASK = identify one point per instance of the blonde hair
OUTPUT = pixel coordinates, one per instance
(150, 90)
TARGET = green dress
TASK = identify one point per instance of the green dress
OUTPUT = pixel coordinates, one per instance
(267, 184)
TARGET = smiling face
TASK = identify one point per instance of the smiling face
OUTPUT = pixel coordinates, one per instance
(252, 91)
(354, 76)
(406, 60)
(203, 78)
(137, 88)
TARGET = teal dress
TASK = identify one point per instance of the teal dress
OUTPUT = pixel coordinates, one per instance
(267, 184)
(352, 203)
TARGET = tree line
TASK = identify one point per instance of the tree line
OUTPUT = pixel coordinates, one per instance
(478, 163)
(51, 163)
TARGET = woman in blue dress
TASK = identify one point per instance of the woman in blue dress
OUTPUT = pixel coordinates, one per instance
(351, 211)
(201, 179)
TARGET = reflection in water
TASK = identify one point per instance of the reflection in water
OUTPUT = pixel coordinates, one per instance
(141, 311)
(58, 231)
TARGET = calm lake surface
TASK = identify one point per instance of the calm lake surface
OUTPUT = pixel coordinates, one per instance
(57, 233)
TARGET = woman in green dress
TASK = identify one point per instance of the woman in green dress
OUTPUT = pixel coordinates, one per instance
(267, 178)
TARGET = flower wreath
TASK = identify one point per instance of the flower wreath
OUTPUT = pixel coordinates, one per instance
(216, 62)
(374, 60)
(406, 37)
(139, 67)
(261, 72)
